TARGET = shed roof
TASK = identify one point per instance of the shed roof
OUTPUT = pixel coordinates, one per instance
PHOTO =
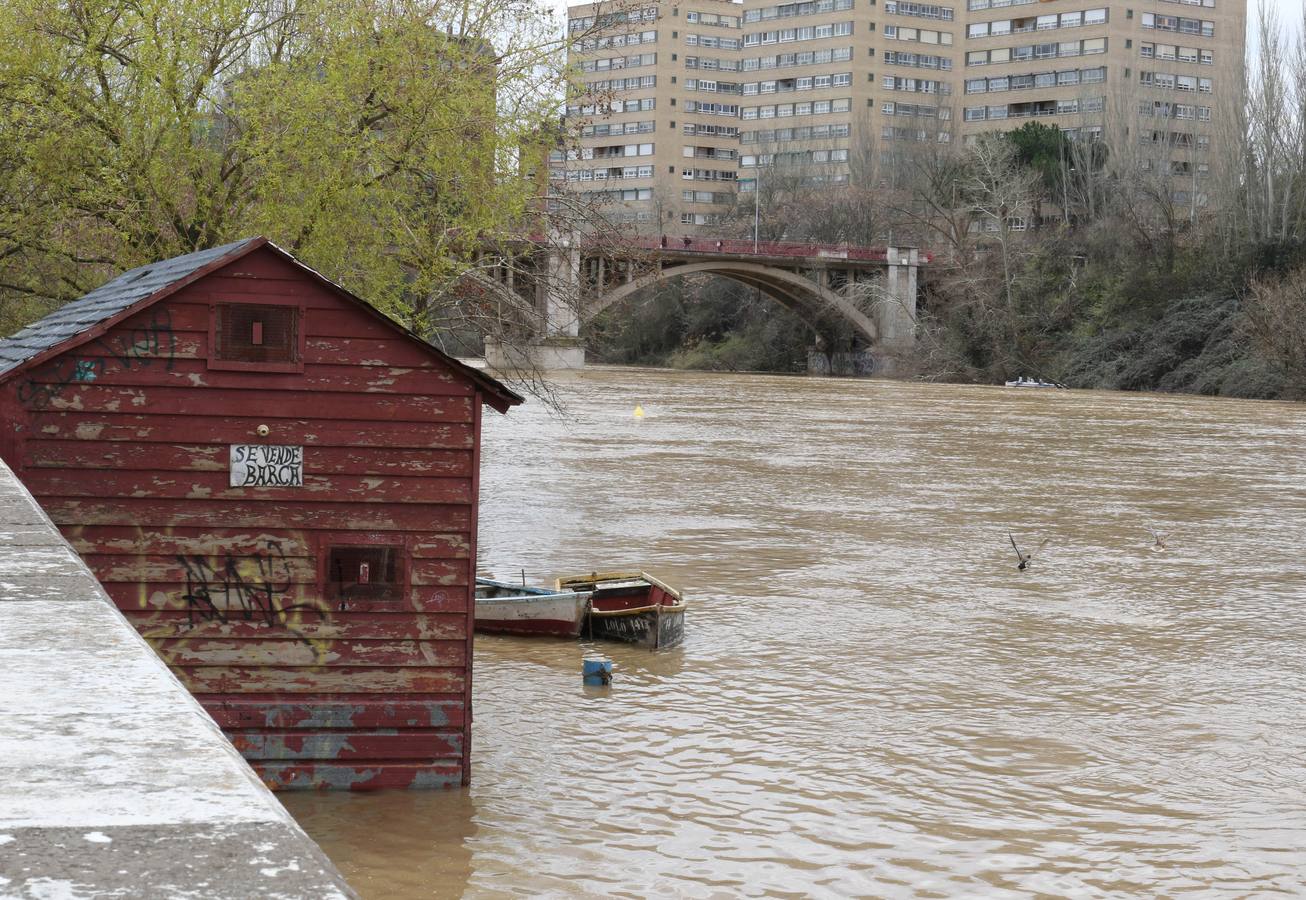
(91, 315)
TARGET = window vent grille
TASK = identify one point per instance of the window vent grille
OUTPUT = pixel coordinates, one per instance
(257, 333)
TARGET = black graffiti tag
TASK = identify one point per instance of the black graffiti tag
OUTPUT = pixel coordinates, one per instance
(263, 597)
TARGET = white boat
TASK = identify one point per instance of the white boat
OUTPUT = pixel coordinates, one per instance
(507, 608)
(1023, 382)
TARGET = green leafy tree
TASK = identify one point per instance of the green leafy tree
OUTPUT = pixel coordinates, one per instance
(1044, 150)
(375, 139)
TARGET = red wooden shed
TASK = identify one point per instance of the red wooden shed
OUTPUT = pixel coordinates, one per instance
(278, 486)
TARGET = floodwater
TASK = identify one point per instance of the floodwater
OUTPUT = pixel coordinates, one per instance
(871, 700)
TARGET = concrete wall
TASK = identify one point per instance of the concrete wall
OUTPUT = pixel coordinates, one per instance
(113, 780)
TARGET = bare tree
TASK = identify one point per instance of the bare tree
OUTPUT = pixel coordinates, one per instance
(1274, 311)
(1275, 139)
(1001, 196)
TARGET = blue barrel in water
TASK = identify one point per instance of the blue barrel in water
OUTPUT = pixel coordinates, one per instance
(597, 670)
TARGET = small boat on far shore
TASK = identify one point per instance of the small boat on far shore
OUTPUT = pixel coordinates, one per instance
(633, 607)
(504, 608)
(1023, 382)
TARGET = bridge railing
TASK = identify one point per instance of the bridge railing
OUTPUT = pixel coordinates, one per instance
(745, 247)
(773, 249)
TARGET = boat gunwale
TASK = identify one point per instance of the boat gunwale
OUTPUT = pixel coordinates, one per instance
(536, 598)
(660, 608)
(525, 593)
(595, 578)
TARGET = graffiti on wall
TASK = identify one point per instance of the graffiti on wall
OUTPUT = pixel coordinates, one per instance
(253, 588)
(140, 347)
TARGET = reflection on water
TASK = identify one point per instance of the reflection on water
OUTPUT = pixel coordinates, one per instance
(871, 700)
(394, 843)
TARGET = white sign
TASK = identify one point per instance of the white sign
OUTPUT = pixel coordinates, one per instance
(264, 465)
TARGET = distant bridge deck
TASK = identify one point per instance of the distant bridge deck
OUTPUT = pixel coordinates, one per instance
(790, 251)
(779, 250)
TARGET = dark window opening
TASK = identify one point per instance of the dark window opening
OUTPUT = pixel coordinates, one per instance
(364, 573)
(257, 333)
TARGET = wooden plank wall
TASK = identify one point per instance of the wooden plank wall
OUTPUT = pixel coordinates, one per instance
(226, 582)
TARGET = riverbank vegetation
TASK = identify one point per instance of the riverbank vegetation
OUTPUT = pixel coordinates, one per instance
(1134, 259)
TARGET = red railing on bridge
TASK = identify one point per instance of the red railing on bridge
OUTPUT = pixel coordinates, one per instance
(748, 247)
(745, 247)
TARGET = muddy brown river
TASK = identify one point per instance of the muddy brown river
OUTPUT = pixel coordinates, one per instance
(871, 700)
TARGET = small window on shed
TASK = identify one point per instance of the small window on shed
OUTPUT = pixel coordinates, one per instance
(256, 333)
(365, 573)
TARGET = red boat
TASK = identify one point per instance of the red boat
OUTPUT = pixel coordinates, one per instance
(631, 606)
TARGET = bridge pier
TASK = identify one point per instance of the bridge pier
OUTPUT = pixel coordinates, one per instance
(842, 363)
(896, 311)
(536, 355)
(556, 344)
(840, 350)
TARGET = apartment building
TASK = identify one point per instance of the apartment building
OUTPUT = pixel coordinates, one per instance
(685, 105)
(658, 101)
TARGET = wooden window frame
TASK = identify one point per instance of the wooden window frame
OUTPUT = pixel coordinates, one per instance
(232, 365)
(399, 542)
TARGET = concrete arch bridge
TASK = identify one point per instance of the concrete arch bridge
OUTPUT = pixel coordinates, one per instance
(860, 302)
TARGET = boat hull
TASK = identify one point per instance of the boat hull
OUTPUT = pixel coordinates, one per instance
(654, 628)
(633, 607)
(530, 611)
(1035, 384)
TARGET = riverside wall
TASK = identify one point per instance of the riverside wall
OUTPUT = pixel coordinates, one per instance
(113, 780)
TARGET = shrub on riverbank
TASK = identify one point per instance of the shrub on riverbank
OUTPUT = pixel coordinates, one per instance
(1196, 346)
(1116, 319)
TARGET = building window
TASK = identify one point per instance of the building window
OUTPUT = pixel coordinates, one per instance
(260, 336)
(367, 573)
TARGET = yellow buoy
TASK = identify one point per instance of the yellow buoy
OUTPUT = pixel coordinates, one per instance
(639, 411)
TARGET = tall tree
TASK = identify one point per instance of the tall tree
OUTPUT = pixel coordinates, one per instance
(376, 139)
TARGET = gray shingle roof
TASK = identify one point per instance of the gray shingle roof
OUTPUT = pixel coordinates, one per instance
(132, 287)
(105, 302)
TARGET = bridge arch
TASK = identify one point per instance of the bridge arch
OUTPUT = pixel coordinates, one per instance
(789, 288)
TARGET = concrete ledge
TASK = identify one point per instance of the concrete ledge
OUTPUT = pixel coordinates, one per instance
(113, 779)
(230, 860)
(546, 355)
